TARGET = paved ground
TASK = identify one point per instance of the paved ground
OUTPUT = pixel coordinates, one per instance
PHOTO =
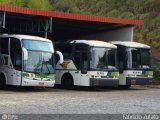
(80, 101)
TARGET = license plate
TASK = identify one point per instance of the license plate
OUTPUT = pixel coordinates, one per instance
(133, 82)
(41, 83)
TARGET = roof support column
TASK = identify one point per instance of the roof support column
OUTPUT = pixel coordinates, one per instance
(132, 30)
(3, 20)
(45, 25)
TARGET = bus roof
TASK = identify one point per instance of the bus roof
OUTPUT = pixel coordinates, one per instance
(130, 44)
(19, 36)
(95, 43)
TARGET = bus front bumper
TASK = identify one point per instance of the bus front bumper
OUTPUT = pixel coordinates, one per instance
(138, 81)
(36, 83)
(104, 82)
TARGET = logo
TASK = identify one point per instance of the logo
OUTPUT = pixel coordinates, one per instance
(17, 74)
(31, 75)
(9, 117)
(65, 64)
(4, 117)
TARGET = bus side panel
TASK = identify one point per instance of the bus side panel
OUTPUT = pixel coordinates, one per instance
(65, 68)
(124, 75)
(13, 77)
(80, 79)
(68, 66)
(85, 80)
(122, 79)
(17, 75)
(59, 75)
(74, 73)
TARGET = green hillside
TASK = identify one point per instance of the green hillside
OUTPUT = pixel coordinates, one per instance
(37, 4)
(147, 10)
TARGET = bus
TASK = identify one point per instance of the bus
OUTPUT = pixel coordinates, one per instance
(27, 61)
(88, 63)
(134, 63)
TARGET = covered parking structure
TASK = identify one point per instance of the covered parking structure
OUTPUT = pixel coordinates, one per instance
(59, 26)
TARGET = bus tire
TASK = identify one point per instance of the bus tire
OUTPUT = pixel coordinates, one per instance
(2, 81)
(67, 81)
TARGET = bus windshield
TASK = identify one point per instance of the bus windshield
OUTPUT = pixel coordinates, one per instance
(40, 57)
(138, 58)
(37, 45)
(103, 58)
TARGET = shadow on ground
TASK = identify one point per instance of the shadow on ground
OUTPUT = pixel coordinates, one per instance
(77, 88)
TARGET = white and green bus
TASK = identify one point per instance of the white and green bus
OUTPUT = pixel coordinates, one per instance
(134, 63)
(87, 63)
(27, 61)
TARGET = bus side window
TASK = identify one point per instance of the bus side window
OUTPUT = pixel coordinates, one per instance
(4, 45)
(66, 51)
(77, 60)
(121, 57)
(4, 42)
(16, 53)
(84, 62)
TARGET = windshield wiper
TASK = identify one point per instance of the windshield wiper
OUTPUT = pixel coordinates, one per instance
(39, 64)
(43, 62)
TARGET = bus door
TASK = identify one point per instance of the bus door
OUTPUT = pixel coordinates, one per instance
(15, 69)
(5, 57)
(84, 68)
(77, 72)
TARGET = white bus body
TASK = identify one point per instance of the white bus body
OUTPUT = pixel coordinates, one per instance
(26, 61)
(87, 63)
(134, 63)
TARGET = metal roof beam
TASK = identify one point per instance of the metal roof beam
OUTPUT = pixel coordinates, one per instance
(2, 19)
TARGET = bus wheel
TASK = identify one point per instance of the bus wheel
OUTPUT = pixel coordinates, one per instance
(67, 81)
(2, 81)
(125, 86)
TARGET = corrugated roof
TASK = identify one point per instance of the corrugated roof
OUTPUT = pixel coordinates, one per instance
(72, 16)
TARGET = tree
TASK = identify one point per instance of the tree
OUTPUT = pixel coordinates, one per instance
(39, 4)
(12, 2)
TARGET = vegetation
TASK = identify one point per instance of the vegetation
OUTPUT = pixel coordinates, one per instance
(38, 4)
(12, 2)
(157, 73)
(147, 10)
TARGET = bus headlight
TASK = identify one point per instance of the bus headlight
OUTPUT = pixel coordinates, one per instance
(150, 73)
(116, 74)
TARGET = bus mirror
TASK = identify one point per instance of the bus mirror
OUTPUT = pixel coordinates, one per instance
(25, 53)
(60, 56)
